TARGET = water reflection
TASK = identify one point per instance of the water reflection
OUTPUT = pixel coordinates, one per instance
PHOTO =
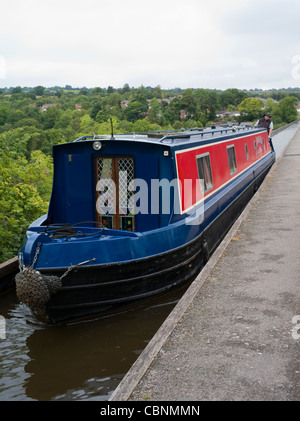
(77, 361)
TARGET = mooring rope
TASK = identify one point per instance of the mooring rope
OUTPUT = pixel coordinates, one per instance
(66, 230)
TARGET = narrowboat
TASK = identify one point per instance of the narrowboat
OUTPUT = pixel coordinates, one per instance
(133, 215)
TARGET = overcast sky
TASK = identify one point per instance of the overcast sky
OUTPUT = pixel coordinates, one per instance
(215, 44)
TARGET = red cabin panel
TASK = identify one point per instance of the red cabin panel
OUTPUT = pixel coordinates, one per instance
(248, 150)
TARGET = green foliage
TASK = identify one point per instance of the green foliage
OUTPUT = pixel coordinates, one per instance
(232, 97)
(38, 90)
(3, 115)
(39, 174)
(32, 120)
(143, 125)
(25, 188)
(285, 111)
(20, 204)
(51, 115)
(14, 141)
(136, 110)
(155, 111)
(251, 108)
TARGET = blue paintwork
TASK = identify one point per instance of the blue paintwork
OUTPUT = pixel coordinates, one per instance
(73, 200)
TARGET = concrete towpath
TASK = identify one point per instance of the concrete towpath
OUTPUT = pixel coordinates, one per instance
(235, 334)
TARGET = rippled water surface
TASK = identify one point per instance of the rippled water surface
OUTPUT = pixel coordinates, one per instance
(77, 361)
(84, 360)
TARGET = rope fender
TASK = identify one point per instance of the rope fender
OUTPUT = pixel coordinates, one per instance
(35, 289)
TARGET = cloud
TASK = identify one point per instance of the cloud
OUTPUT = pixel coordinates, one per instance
(264, 35)
(191, 43)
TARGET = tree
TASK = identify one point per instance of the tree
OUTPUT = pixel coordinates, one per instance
(207, 104)
(64, 120)
(50, 116)
(125, 89)
(135, 110)
(44, 140)
(155, 112)
(141, 126)
(14, 142)
(97, 91)
(171, 113)
(4, 111)
(84, 91)
(38, 90)
(232, 97)
(14, 116)
(102, 115)
(269, 105)
(157, 92)
(285, 111)
(87, 125)
(17, 90)
(25, 189)
(97, 106)
(189, 124)
(251, 109)
(114, 100)
(39, 174)
(188, 102)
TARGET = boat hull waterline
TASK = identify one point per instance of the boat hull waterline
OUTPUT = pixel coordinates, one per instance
(102, 268)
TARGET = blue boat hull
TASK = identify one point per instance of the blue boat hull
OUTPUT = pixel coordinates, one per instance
(130, 266)
(94, 288)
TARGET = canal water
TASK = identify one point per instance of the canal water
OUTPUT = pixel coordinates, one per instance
(83, 360)
(76, 361)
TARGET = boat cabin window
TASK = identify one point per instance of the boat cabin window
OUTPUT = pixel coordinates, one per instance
(231, 159)
(113, 205)
(255, 147)
(204, 172)
(246, 150)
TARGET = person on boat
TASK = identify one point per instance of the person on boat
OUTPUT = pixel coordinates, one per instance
(265, 122)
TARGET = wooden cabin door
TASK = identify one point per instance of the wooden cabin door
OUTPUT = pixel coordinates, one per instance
(114, 191)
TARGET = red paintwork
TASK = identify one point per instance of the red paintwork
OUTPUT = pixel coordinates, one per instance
(187, 165)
